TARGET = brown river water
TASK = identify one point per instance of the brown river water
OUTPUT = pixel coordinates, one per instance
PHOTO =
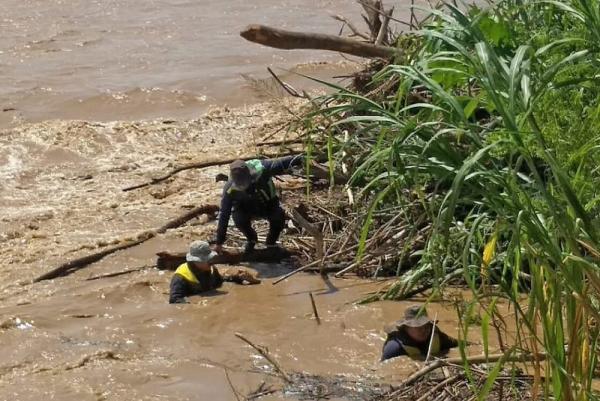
(130, 59)
(60, 198)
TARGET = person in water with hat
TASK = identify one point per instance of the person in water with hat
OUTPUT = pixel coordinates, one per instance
(250, 194)
(412, 336)
(197, 274)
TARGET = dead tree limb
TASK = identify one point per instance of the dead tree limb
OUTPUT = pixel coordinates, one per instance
(372, 8)
(202, 164)
(369, 6)
(266, 355)
(314, 307)
(354, 30)
(286, 87)
(303, 222)
(170, 261)
(439, 363)
(287, 40)
(119, 273)
(79, 263)
(382, 36)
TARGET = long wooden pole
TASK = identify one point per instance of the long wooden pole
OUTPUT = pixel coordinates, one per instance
(287, 40)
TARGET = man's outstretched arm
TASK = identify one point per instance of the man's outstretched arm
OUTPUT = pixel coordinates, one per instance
(281, 165)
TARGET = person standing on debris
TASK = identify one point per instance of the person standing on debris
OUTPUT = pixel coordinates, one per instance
(197, 275)
(250, 194)
(412, 336)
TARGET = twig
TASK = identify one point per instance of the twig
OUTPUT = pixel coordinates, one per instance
(382, 35)
(266, 355)
(470, 360)
(314, 306)
(237, 397)
(120, 273)
(355, 31)
(312, 264)
(440, 385)
(431, 339)
(364, 4)
(286, 87)
(413, 18)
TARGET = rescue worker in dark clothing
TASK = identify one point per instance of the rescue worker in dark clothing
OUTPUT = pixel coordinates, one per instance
(411, 336)
(197, 275)
(250, 194)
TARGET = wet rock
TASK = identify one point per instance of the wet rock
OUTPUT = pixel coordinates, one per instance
(33, 226)
(47, 215)
(16, 323)
(163, 193)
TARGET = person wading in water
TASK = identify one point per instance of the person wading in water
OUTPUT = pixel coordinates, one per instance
(412, 336)
(250, 194)
(197, 275)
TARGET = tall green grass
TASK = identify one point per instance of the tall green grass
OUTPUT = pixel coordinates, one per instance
(512, 194)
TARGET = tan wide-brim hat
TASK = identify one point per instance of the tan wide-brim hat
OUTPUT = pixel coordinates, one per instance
(414, 316)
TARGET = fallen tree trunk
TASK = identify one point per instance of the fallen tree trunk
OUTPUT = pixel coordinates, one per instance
(79, 263)
(171, 260)
(281, 39)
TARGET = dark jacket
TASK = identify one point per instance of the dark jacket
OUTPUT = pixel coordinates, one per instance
(396, 342)
(259, 198)
(182, 287)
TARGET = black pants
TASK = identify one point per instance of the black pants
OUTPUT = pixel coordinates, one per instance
(275, 216)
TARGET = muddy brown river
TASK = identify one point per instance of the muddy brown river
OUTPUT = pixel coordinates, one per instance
(129, 59)
(117, 338)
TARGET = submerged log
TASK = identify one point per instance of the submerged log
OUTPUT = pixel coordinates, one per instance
(287, 40)
(171, 260)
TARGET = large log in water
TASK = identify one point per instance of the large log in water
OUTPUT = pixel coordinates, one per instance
(171, 260)
(281, 39)
(79, 263)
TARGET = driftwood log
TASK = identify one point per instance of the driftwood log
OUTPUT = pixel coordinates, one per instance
(79, 263)
(287, 40)
(171, 260)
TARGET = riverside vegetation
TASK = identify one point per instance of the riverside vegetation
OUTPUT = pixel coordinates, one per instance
(485, 130)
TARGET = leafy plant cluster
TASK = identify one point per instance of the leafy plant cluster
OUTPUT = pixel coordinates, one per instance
(492, 124)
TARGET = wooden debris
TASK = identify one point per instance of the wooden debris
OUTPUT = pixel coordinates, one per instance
(314, 307)
(119, 273)
(79, 263)
(203, 164)
(282, 39)
(471, 361)
(267, 356)
(170, 261)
